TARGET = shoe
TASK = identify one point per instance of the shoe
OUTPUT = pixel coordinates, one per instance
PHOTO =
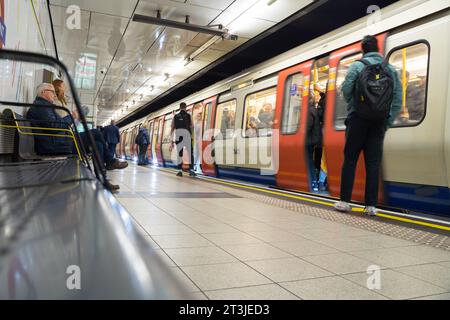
(370, 211)
(322, 187)
(112, 187)
(342, 206)
(180, 174)
(192, 174)
(315, 186)
(117, 165)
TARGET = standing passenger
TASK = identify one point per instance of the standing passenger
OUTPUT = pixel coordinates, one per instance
(363, 134)
(182, 127)
(142, 140)
(112, 137)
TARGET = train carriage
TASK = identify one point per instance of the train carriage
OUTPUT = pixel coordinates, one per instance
(416, 162)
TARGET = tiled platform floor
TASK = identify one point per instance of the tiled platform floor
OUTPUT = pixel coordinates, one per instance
(223, 246)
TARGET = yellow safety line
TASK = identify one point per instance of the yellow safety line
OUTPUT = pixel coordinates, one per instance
(383, 215)
(427, 224)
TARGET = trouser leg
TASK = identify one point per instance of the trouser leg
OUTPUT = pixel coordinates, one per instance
(112, 149)
(354, 142)
(373, 153)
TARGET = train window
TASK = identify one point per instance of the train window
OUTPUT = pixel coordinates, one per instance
(166, 134)
(340, 112)
(293, 97)
(411, 63)
(259, 113)
(226, 119)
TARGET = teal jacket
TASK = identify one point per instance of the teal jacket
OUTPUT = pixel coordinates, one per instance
(352, 76)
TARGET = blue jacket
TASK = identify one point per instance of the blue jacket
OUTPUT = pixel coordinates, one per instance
(41, 114)
(111, 134)
(142, 137)
(352, 76)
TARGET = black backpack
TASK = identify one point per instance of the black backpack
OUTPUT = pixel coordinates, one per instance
(374, 92)
(182, 120)
(139, 138)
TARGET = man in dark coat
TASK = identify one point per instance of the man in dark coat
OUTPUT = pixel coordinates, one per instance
(142, 140)
(43, 114)
(112, 137)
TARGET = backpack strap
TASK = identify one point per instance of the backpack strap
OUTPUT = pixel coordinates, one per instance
(364, 62)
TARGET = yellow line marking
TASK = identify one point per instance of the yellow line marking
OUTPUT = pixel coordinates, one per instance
(427, 224)
(383, 215)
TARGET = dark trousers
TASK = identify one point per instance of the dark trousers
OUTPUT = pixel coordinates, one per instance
(366, 136)
(101, 145)
(181, 144)
(142, 155)
(112, 149)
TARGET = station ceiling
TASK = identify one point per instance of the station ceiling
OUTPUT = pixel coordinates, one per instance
(128, 69)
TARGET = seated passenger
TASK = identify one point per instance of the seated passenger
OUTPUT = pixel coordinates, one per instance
(43, 114)
(265, 116)
(105, 155)
(415, 99)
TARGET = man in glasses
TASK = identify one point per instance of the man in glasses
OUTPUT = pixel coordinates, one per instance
(43, 114)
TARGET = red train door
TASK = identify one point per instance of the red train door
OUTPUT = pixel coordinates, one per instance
(335, 114)
(158, 146)
(209, 114)
(291, 118)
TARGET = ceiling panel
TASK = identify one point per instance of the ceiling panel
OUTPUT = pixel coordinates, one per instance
(112, 7)
(279, 10)
(177, 11)
(215, 4)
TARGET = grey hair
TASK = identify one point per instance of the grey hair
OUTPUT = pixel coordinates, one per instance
(42, 87)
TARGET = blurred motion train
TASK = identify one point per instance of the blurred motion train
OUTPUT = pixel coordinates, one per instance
(414, 37)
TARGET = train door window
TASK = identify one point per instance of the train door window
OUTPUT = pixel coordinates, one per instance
(167, 138)
(411, 63)
(226, 119)
(340, 111)
(197, 121)
(207, 116)
(158, 136)
(293, 97)
(259, 113)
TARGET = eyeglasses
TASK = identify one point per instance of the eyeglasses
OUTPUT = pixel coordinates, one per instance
(50, 90)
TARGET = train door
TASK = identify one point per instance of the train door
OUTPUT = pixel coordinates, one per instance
(158, 148)
(155, 140)
(167, 140)
(197, 122)
(133, 148)
(291, 119)
(224, 138)
(315, 149)
(150, 135)
(126, 144)
(335, 115)
(208, 165)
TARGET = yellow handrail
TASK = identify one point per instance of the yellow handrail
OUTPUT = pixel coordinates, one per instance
(70, 131)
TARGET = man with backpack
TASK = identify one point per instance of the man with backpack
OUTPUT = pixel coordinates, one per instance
(373, 92)
(142, 140)
(182, 126)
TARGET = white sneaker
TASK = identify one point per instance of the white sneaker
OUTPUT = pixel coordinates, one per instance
(342, 206)
(370, 211)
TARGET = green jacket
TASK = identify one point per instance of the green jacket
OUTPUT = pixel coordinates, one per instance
(352, 76)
